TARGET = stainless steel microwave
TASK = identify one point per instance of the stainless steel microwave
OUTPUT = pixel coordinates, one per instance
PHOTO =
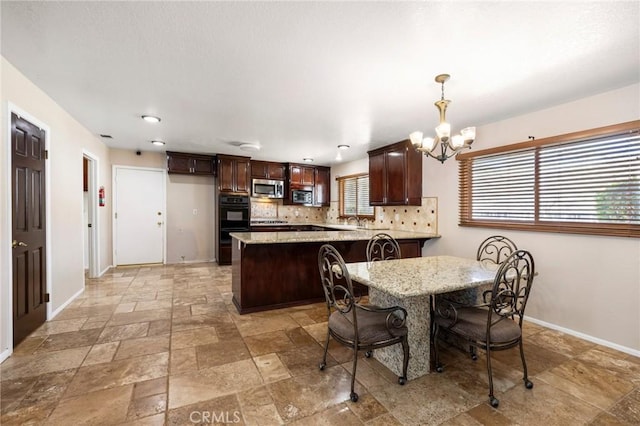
(299, 196)
(265, 188)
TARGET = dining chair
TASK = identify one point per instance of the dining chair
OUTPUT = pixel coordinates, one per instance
(495, 249)
(496, 325)
(383, 246)
(360, 327)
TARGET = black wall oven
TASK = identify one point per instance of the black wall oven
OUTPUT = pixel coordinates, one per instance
(233, 216)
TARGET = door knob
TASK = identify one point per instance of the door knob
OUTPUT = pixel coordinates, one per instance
(16, 243)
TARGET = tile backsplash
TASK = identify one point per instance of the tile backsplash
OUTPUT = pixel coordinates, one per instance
(422, 218)
(272, 209)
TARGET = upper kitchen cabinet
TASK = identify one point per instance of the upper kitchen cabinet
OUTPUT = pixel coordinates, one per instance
(395, 175)
(322, 192)
(301, 175)
(267, 170)
(190, 164)
(234, 174)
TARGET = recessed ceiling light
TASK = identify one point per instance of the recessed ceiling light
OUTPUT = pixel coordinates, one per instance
(157, 142)
(151, 118)
(250, 147)
(308, 160)
(343, 146)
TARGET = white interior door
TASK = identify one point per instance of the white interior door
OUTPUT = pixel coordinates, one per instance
(139, 210)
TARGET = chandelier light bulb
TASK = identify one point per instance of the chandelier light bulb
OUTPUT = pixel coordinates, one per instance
(428, 144)
(457, 142)
(443, 131)
(416, 139)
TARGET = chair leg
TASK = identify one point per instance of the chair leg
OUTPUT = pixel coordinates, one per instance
(323, 363)
(354, 395)
(473, 352)
(434, 342)
(492, 400)
(405, 361)
(527, 383)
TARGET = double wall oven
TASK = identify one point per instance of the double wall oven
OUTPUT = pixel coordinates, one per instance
(233, 216)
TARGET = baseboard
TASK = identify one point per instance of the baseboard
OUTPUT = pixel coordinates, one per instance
(586, 337)
(104, 271)
(5, 354)
(184, 262)
(65, 304)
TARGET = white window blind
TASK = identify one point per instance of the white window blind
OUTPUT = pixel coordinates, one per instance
(354, 196)
(587, 184)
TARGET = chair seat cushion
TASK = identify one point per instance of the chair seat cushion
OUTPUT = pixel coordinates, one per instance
(472, 323)
(372, 327)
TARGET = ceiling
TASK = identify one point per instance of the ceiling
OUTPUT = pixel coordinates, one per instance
(300, 78)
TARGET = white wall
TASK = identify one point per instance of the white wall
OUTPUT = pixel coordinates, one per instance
(587, 284)
(67, 140)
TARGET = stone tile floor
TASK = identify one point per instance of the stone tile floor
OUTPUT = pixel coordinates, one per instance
(164, 345)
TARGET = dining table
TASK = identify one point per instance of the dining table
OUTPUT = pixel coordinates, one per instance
(413, 284)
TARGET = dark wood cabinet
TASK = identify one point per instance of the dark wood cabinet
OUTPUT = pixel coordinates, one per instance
(322, 189)
(234, 174)
(301, 175)
(267, 170)
(190, 164)
(395, 175)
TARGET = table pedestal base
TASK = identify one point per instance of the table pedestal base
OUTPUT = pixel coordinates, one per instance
(418, 322)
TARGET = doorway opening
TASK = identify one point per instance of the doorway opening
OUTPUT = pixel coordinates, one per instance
(90, 217)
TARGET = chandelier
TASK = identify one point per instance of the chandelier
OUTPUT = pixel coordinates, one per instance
(449, 145)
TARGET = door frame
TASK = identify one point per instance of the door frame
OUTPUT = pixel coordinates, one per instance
(94, 246)
(6, 263)
(114, 229)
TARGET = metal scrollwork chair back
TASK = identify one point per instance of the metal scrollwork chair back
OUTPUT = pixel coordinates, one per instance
(361, 327)
(383, 246)
(496, 249)
(497, 324)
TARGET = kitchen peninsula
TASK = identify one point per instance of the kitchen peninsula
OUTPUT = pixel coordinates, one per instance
(279, 269)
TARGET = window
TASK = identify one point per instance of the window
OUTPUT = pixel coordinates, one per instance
(354, 196)
(585, 182)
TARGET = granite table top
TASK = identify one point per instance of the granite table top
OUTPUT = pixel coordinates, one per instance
(324, 236)
(422, 276)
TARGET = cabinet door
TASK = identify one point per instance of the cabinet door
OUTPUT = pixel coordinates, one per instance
(377, 181)
(259, 169)
(396, 167)
(275, 170)
(225, 175)
(178, 163)
(242, 175)
(202, 165)
(295, 175)
(308, 175)
(322, 186)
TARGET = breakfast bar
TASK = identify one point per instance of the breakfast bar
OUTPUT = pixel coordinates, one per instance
(280, 269)
(412, 284)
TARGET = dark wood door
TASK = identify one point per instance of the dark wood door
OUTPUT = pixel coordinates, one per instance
(275, 171)
(322, 186)
(178, 163)
(28, 227)
(377, 180)
(243, 176)
(202, 165)
(396, 176)
(225, 175)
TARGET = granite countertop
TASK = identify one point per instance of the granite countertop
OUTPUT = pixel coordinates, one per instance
(323, 236)
(422, 276)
